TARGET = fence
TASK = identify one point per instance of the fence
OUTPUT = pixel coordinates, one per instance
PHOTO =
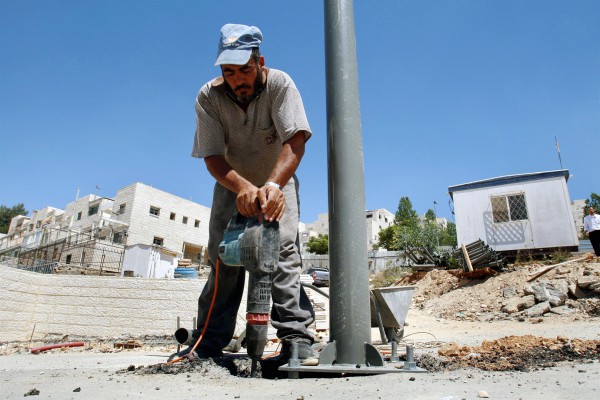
(74, 253)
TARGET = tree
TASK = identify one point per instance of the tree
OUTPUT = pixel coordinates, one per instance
(430, 215)
(318, 245)
(593, 201)
(406, 215)
(448, 235)
(387, 238)
(7, 214)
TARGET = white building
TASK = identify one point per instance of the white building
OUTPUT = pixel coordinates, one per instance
(516, 212)
(152, 216)
(138, 215)
(376, 221)
(577, 207)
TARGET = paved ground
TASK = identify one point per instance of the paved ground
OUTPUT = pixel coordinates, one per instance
(74, 374)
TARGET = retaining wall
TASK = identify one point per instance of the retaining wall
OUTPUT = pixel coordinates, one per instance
(98, 306)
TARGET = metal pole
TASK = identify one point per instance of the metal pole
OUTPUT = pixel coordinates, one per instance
(437, 234)
(349, 286)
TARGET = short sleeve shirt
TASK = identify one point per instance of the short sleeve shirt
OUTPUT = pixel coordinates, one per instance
(250, 140)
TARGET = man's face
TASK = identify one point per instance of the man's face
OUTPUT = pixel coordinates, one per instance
(591, 210)
(244, 80)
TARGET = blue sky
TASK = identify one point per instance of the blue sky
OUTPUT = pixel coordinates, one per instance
(102, 93)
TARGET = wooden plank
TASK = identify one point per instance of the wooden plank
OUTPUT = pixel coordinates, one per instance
(467, 259)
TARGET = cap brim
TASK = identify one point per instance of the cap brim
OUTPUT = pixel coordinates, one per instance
(233, 56)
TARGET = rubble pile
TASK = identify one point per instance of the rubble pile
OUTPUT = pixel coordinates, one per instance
(519, 293)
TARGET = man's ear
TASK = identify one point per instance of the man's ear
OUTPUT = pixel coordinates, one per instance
(261, 61)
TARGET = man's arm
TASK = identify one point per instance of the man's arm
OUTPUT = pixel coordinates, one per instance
(246, 192)
(271, 199)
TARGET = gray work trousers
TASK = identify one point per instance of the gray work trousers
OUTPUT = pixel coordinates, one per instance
(291, 313)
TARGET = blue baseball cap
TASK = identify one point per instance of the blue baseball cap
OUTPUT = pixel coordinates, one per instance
(236, 43)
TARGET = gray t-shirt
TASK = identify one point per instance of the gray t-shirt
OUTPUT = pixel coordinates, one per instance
(250, 141)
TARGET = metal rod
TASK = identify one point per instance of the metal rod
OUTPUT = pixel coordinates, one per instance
(349, 291)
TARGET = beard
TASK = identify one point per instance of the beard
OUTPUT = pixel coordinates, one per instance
(257, 87)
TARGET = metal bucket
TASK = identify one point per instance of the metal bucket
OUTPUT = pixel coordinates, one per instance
(389, 307)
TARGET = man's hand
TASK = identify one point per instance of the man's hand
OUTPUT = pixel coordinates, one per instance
(272, 202)
(247, 201)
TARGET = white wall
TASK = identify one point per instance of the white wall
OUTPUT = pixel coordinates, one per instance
(143, 227)
(148, 261)
(98, 306)
(550, 222)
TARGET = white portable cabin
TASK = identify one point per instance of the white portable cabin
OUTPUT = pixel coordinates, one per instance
(516, 212)
(149, 261)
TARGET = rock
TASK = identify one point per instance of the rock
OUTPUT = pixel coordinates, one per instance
(454, 350)
(562, 270)
(517, 304)
(483, 394)
(585, 281)
(576, 292)
(540, 292)
(557, 293)
(539, 309)
(528, 289)
(562, 310)
(594, 286)
(509, 292)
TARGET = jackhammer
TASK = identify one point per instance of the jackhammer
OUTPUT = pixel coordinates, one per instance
(253, 243)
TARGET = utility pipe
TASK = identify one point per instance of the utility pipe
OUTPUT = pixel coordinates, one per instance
(55, 346)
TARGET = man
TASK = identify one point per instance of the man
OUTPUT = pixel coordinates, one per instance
(251, 129)
(591, 225)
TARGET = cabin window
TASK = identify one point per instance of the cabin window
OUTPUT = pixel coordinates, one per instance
(509, 208)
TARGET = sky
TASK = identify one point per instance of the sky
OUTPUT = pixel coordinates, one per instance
(97, 95)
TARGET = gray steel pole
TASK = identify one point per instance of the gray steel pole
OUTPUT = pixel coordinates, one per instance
(349, 287)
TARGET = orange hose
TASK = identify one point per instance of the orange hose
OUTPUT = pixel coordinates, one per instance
(212, 303)
(56, 346)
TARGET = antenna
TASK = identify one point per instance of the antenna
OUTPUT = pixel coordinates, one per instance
(558, 151)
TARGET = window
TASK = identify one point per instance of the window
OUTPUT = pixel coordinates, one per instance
(509, 208)
(93, 210)
(197, 223)
(79, 216)
(154, 211)
(172, 217)
(184, 220)
(68, 260)
(118, 237)
(121, 209)
(38, 224)
(158, 241)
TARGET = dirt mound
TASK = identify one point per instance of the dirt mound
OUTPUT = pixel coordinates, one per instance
(504, 295)
(514, 353)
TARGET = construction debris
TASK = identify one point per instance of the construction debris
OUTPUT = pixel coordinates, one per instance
(478, 255)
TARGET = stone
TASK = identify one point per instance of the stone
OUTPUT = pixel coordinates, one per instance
(528, 289)
(594, 286)
(517, 304)
(509, 292)
(585, 281)
(557, 293)
(576, 292)
(538, 310)
(540, 292)
(562, 310)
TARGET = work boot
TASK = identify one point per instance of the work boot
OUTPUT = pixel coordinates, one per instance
(306, 354)
(199, 353)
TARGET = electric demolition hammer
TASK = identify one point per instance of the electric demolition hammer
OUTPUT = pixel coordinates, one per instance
(253, 243)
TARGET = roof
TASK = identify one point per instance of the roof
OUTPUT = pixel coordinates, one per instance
(509, 179)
